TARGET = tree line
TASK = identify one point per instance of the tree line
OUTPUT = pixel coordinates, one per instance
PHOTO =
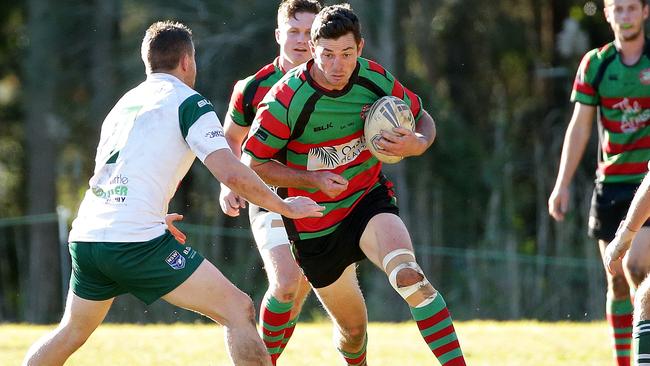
(496, 76)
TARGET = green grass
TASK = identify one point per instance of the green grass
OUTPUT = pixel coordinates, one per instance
(484, 343)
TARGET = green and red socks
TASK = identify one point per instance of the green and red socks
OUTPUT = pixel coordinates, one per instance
(437, 329)
(642, 342)
(274, 317)
(357, 358)
(288, 332)
(619, 317)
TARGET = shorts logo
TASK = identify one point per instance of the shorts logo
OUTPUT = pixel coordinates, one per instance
(186, 251)
(175, 260)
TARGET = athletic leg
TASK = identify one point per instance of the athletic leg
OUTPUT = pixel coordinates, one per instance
(637, 261)
(344, 303)
(303, 291)
(619, 311)
(80, 319)
(386, 242)
(642, 324)
(208, 292)
(284, 298)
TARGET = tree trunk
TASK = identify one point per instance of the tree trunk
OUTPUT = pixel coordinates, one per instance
(43, 285)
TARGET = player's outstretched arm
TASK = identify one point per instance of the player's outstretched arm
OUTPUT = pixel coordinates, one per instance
(243, 181)
(404, 142)
(637, 215)
(575, 140)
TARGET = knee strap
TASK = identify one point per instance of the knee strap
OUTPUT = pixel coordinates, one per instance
(405, 291)
(389, 257)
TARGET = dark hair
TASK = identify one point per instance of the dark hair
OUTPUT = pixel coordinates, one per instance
(289, 8)
(334, 22)
(164, 44)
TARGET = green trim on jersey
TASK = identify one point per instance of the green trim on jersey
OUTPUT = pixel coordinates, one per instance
(191, 110)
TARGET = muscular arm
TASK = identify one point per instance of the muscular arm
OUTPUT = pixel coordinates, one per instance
(231, 172)
(403, 142)
(637, 214)
(229, 201)
(281, 175)
(575, 141)
(235, 135)
(640, 207)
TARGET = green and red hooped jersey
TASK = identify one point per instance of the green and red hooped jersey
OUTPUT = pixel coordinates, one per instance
(248, 93)
(318, 129)
(622, 94)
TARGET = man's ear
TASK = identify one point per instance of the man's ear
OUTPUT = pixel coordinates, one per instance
(312, 48)
(277, 35)
(360, 47)
(185, 62)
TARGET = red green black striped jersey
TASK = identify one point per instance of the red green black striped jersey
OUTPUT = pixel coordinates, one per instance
(249, 92)
(622, 94)
(317, 129)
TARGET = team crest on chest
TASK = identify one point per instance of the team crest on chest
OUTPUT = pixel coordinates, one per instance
(644, 76)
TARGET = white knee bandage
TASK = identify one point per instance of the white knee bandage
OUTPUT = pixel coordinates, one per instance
(405, 291)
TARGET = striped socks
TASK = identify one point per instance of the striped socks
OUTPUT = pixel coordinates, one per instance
(358, 358)
(437, 329)
(619, 317)
(274, 317)
(288, 332)
(642, 342)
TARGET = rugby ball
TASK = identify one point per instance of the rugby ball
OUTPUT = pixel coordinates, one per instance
(385, 114)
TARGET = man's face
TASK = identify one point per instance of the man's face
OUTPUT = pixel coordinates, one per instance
(626, 17)
(335, 59)
(293, 35)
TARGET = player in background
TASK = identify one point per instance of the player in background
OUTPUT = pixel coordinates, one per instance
(613, 82)
(624, 240)
(118, 242)
(288, 288)
(313, 119)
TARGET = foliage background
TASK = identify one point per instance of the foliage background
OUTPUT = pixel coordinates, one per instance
(495, 75)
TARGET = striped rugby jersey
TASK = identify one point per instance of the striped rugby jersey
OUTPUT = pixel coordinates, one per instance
(622, 94)
(316, 129)
(249, 92)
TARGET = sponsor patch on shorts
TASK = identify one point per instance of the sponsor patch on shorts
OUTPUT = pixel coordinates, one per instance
(175, 260)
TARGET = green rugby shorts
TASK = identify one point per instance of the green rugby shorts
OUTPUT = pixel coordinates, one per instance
(148, 270)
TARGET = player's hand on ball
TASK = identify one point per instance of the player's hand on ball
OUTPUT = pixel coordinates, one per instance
(617, 248)
(401, 142)
(329, 183)
(299, 207)
(230, 201)
(169, 221)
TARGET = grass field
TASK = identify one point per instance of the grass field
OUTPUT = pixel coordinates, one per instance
(484, 343)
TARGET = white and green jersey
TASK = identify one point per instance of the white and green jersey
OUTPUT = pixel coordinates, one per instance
(148, 143)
